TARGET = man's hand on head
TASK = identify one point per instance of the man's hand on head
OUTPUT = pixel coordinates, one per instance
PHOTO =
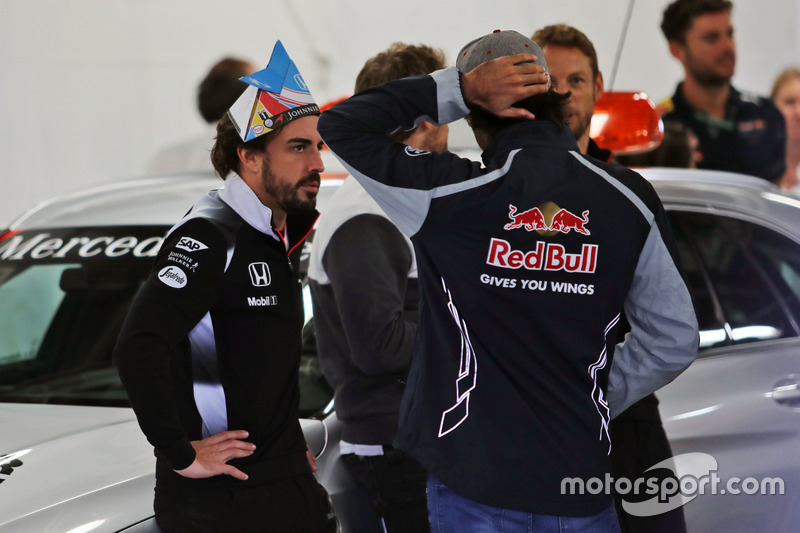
(498, 84)
(214, 452)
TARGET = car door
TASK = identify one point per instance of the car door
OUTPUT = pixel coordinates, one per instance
(739, 401)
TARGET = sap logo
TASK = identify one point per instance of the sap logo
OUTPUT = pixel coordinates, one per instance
(173, 277)
(190, 245)
(262, 301)
(259, 274)
(414, 152)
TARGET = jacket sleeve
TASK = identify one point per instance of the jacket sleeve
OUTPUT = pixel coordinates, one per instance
(180, 290)
(403, 180)
(664, 335)
(368, 263)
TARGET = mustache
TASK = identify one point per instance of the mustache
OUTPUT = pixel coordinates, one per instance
(314, 178)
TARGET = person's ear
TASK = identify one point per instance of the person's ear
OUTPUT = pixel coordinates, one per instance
(250, 160)
(677, 50)
(599, 86)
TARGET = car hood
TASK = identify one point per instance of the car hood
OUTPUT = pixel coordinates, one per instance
(71, 467)
(50, 455)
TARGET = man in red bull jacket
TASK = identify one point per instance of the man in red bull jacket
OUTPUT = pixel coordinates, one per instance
(511, 387)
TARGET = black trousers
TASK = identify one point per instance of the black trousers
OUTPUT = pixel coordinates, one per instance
(396, 484)
(639, 442)
(296, 504)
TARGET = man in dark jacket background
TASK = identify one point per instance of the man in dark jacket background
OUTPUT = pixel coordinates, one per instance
(735, 131)
(363, 279)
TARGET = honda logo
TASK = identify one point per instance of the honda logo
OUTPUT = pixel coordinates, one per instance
(259, 274)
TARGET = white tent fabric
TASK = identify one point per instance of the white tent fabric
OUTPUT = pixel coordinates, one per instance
(91, 90)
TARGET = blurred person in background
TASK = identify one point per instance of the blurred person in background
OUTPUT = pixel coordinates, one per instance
(218, 90)
(786, 95)
(363, 279)
(637, 434)
(736, 131)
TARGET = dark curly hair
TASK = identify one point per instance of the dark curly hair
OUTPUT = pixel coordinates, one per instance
(400, 60)
(545, 106)
(678, 16)
(225, 154)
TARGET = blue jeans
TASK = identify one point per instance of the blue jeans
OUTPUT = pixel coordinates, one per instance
(450, 513)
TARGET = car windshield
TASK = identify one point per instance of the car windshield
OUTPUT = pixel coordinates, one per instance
(64, 294)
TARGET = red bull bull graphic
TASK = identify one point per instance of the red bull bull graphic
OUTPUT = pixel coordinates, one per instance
(534, 220)
(564, 221)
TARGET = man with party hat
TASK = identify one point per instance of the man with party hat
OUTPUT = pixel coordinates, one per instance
(210, 350)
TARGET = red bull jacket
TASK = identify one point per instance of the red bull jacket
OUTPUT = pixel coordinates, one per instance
(524, 268)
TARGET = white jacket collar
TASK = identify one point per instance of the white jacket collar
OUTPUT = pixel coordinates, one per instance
(241, 198)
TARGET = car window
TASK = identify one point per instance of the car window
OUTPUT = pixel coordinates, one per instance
(30, 299)
(737, 279)
(64, 294)
(779, 256)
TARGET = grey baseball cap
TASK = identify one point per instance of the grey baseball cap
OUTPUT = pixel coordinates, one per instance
(497, 44)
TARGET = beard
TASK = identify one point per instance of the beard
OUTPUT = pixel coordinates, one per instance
(580, 118)
(709, 76)
(288, 196)
(579, 124)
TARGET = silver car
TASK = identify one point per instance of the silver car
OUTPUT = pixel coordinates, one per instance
(72, 457)
(733, 418)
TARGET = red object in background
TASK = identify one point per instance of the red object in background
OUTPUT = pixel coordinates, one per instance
(332, 103)
(626, 123)
(333, 169)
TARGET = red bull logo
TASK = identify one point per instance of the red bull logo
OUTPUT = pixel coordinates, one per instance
(534, 220)
(550, 256)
